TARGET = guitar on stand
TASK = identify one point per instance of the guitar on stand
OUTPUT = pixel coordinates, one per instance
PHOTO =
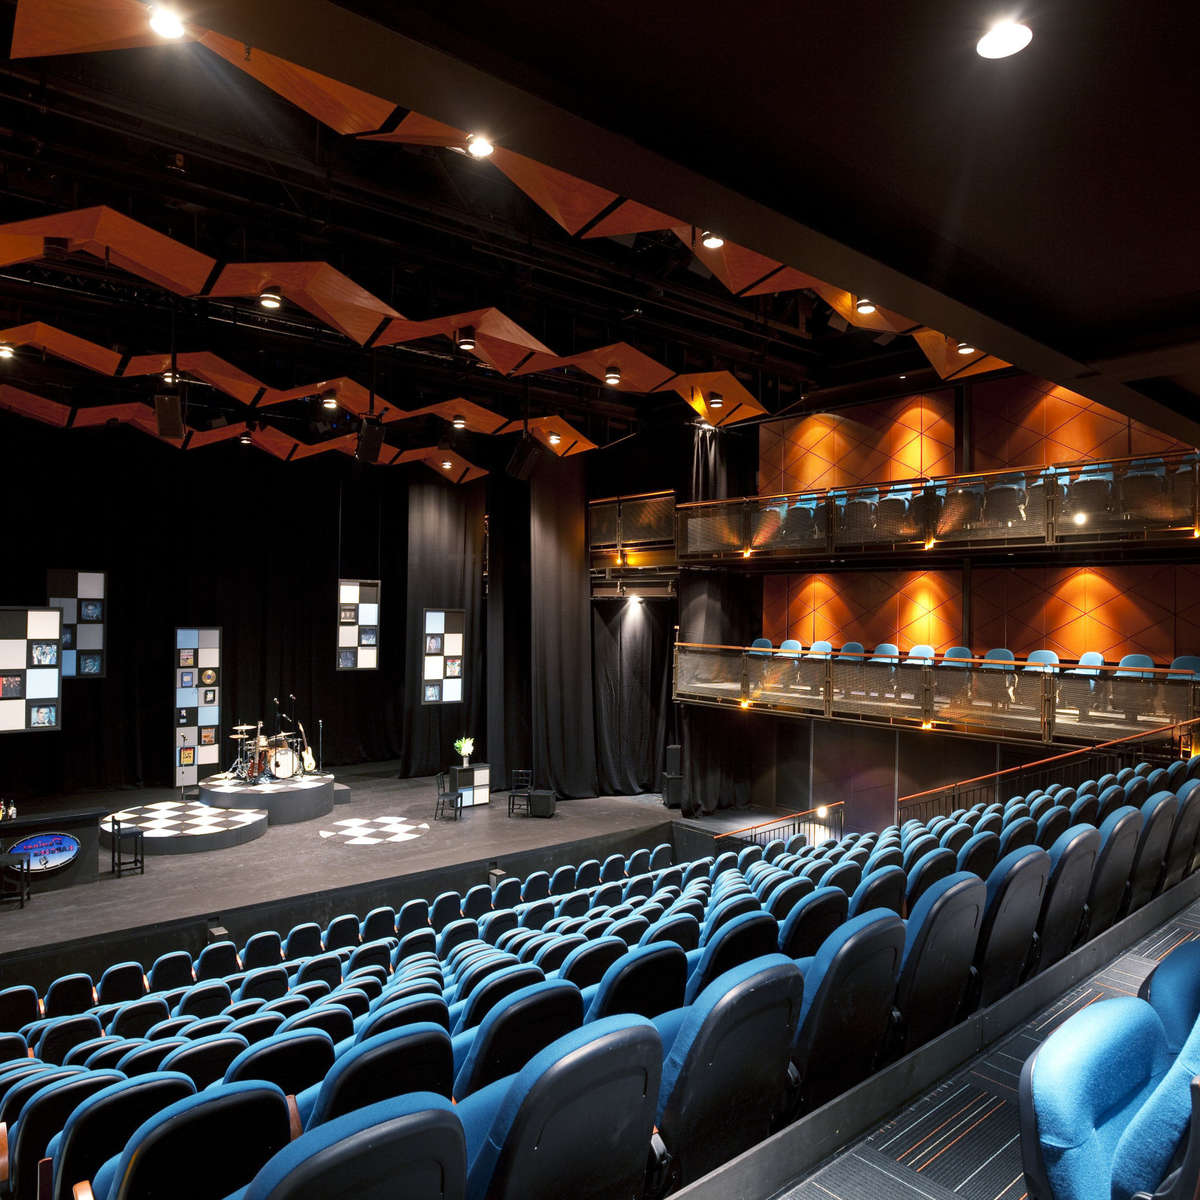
(306, 754)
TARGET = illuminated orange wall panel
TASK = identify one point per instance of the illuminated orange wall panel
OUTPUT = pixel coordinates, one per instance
(904, 607)
(1026, 421)
(870, 443)
(1117, 610)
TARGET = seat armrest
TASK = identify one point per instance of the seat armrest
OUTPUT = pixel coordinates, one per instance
(4, 1155)
(82, 1191)
(295, 1125)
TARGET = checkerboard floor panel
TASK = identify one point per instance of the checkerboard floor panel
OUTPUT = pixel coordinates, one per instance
(374, 831)
(175, 818)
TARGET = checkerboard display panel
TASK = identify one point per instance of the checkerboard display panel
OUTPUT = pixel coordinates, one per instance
(443, 636)
(197, 679)
(83, 598)
(358, 625)
(30, 669)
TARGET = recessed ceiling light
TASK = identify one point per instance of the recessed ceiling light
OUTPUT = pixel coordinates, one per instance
(168, 377)
(329, 399)
(245, 437)
(459, 422)
(478, 145)
(711, 241)
(612, 375)
(903, 376)
(446, 464)
(464, 338)
(716, 400)
(6, 351)
(1004, 39)
(965, 348)
(863, 306)
(166, 22)
(270, 297)
(554, 438)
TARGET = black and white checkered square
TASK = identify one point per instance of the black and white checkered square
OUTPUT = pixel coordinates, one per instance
(375, 831)
(183, 818)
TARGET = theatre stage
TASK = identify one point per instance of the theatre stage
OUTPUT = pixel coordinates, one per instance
(297, 860)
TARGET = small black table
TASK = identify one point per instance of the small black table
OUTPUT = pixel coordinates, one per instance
(81, 824)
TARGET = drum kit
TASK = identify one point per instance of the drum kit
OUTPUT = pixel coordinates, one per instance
(266, 757)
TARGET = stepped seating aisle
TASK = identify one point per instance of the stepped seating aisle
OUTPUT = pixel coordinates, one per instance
(876, 941)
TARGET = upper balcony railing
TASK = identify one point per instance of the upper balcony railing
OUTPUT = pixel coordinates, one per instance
(997, 696)
(1070, 503)
(631, 531)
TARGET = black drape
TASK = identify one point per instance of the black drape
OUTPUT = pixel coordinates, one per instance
(563, 733)
(444, 570)
(631, 662)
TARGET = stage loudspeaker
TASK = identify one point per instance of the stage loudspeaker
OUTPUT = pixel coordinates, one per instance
(672, 790)
(524, 459)
(674, 764)
(370, 441)
(168, 415)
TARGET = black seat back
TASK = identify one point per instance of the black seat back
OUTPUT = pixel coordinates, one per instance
(1183, 838)
(811, 921)
(1158, 819)
(1014, 901)
(1072, 868)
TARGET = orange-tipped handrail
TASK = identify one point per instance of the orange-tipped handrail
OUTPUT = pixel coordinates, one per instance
(808, 812)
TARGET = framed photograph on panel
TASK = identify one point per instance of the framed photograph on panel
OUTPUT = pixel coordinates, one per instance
(443, 631)
(31, 666)
(197, 734)
(358, 625)
(82, 597)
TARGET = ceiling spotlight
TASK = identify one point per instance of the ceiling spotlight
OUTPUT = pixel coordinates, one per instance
(863, 306)
(822, 812)
(965, 348)
(329, 399)
(1080, 518)
(1004, 39)
(245, 437)
(270, 297)
(464, 338)
(478, 145)
(554, 438)
(459, 421)
(166, 22)
(169, 377)
(612, 376)
(716, 400)
(711, 241)
(446, 464)
(903, 376)
(6, 351)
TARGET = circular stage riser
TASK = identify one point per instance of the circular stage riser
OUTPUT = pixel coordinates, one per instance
(285, 801)
(185, 827)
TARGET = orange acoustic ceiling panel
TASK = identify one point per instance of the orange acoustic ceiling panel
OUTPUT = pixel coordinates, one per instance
(63, 345)
(352, 397)
(346, 444)
(316, 287)
(80, 26)
(49, 412)
(943, 355)
(639, 372)
(499, 341)
(570, 201)
(416, 130)
(700, 388)
(20, 247)
(210, 437)
(735, 266)
(629, 217)
(202, 365)
(107, 234)
(544, 429)
(459, 470)
(478, 419)
(343, 108)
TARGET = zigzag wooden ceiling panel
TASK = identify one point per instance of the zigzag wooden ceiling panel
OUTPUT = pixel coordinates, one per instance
(499, 340)
(639, 372)
(737, 404)
(63, 345)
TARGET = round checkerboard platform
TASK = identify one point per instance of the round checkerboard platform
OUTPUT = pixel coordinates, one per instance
(186, 827)
(375, 831)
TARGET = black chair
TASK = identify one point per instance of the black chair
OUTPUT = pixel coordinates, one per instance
(14, 878)
(446, 797)
(519, 789)
(133, 863)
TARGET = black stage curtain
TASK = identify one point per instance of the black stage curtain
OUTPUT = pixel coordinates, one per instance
(445, 570)
(509, 700)
(563, 731)
(631, 662)
(224, 535)
(724, 463)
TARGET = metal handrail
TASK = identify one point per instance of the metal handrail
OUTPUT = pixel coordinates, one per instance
(808, 812)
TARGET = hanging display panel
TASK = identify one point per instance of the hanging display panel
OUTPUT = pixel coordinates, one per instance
(197, 680)
(83, 598)
(443, 638)
(30, 669)
(358, 625)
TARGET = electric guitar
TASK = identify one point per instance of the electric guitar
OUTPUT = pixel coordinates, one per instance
(306, 755)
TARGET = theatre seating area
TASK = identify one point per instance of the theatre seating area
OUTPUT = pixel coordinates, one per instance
(633, 1010)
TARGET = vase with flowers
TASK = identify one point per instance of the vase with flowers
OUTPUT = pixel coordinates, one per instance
(466, 747)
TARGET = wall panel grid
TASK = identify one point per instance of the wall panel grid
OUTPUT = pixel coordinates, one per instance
(30, 669)
(358, 625)
(83, 598)
(197, 680)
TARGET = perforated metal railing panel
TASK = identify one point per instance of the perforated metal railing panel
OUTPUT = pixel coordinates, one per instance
(648, 519)
(602, 524)
(708, 674)
(711, 530)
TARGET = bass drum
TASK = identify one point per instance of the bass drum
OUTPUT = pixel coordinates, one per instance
(284, 764)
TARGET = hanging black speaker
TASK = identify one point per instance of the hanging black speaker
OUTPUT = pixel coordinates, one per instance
(674, 760)
(524, 459)
(370, 441)
(168, 415)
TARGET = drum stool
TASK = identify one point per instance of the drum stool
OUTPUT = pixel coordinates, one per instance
(123, 864)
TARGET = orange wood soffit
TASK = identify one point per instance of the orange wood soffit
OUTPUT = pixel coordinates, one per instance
(43, 27)
(351, 396)
(735, 266)
(202, 365)
(696, 388)
(943, 355)
(478, 418)
(460, 470)
(570, 201)
(571, 441)
(49, 412)
(63, 345)
(417, 130)
(630, 217)
(639, 372)
(499, 340)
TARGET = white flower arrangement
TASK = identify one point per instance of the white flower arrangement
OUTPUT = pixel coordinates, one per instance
(464, 745)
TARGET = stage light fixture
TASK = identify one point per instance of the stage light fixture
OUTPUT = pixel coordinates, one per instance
(464, 338)
(711, 241)
(245, 438)
(903, 376)
(612, 375)
(965, 348)
(329, 400)
(1004, 39)
(747, 552)
(1080, 518)
(863, 306)
(478, 145)
(270, 297)
(554, 438)
(822, 812)
(446, 464)
(6, 351)
(929, 545)
(716, 400)
(743, 704)
(635, 598)
(459, 421)
(166, 22)
(169, 377)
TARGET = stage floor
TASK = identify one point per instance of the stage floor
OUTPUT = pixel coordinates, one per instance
(387, 831)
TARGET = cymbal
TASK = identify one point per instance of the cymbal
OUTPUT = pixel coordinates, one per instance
(242, 728)
(238, 737)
